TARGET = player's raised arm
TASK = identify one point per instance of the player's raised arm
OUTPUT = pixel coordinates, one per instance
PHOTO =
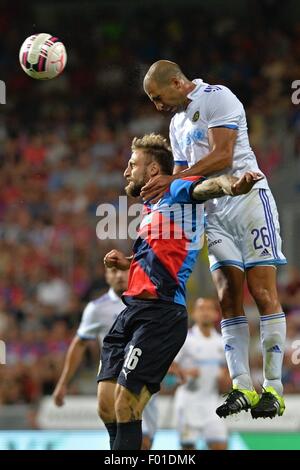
(225, 185)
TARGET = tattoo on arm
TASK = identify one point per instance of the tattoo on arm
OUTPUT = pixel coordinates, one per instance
(214, 187)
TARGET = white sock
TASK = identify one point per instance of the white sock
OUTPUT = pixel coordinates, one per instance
(235, 334)
(272, 336)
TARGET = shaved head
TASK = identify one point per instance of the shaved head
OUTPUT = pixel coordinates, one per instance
(162, 71)
(167, 87)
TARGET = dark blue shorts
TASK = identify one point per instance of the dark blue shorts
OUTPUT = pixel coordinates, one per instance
(142, 343)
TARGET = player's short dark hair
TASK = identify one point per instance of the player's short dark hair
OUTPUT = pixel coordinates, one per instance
(158, 148)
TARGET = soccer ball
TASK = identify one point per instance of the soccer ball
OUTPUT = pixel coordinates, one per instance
(43, 56)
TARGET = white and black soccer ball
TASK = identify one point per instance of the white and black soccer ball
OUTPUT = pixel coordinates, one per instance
(43, 56)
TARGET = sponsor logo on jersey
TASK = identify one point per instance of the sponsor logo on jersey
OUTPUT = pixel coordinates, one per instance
(196, 116)
(194, 136)
(214, 242)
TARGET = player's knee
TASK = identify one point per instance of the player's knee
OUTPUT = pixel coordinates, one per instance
(265, 298)
(229, 296)
(126, 407)
(105, 411)
(229, 302)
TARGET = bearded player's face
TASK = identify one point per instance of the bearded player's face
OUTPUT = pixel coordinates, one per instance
(136, 173)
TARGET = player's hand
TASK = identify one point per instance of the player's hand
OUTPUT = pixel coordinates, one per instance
(59, 394)
(156, 187)
(246, 183)
(116, 259)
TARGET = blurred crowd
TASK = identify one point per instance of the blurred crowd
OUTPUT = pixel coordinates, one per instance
(64, 145)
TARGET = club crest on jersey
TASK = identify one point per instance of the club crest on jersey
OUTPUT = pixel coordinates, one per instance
(196, 116)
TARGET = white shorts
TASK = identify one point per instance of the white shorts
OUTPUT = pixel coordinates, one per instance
(213, 430)
(245, 232)
(198, 418)
(150, 417)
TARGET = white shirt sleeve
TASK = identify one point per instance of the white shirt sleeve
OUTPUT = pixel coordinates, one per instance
(179, 157)
(90, 325)
(222, 108)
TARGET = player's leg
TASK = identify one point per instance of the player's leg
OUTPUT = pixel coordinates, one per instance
(262, 253)
(215, 435)
(215, 445)
(111, 363)
(155, 341)
(262, 285)
(129, 407)
(188, 441)
(149, 422)
(187, 434)
(147, 442)
(106, 407)
(229, 282)
(227, 266)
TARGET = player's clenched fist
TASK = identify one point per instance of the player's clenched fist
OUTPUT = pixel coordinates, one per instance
(116, 259)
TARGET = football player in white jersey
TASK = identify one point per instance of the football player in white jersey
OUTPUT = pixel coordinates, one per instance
(202, 366)
(97, 318)
(208, 134)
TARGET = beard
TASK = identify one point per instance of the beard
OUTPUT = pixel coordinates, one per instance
(133, 189)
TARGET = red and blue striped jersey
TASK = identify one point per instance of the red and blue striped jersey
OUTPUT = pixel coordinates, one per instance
(169, 239)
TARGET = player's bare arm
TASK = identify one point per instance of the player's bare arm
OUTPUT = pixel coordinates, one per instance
(73, 359)
(176, 370)
(225, 185)
(179, 169)
(117, 259)
(221, 141)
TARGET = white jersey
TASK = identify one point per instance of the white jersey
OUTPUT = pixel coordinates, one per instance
(99, 315)
(207, 354)
(212, 106)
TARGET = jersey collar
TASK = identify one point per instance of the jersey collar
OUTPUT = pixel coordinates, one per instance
(113, 296)
(193, 94)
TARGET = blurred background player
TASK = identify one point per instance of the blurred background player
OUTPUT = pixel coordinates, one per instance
(209, 136)
(202, 367)
(97, 318)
